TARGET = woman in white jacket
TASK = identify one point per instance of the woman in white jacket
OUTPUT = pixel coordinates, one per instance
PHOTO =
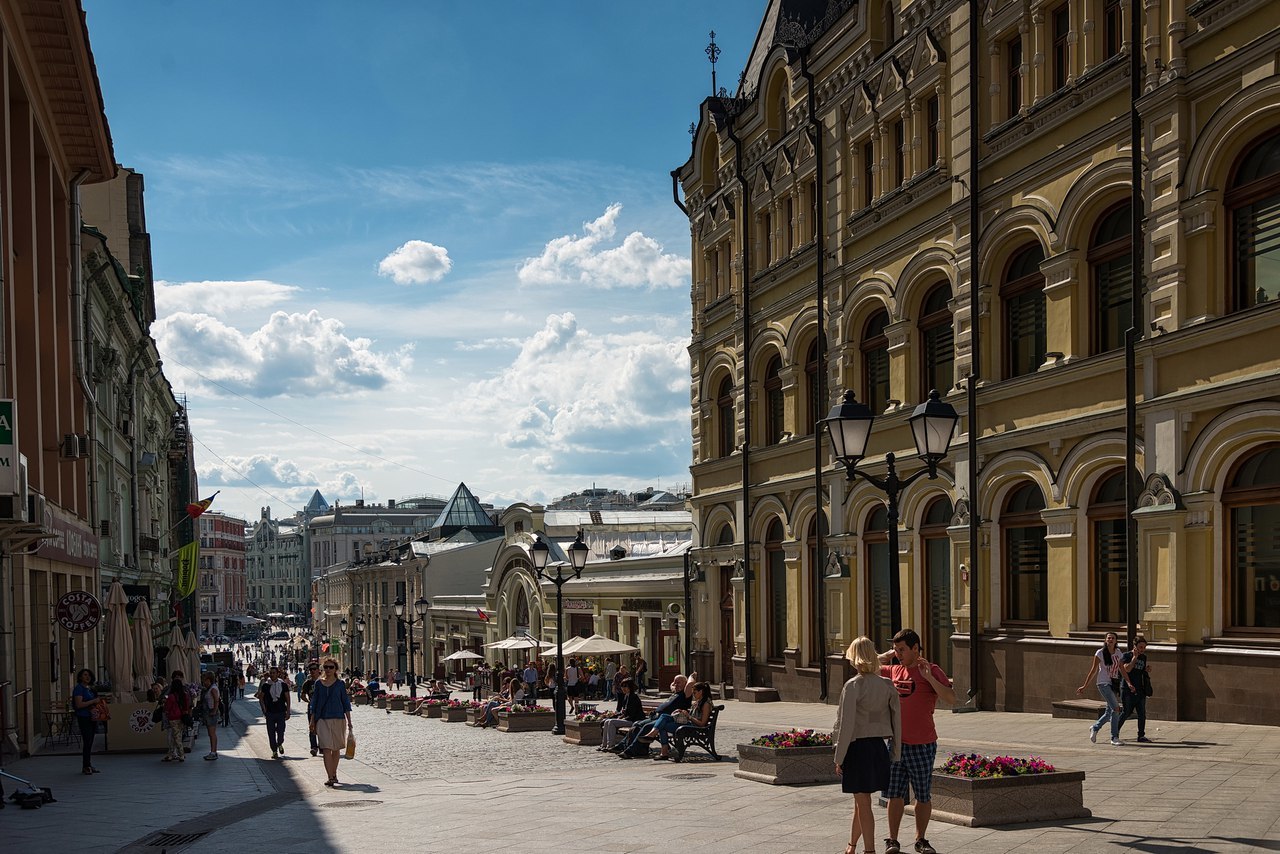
(869, 712)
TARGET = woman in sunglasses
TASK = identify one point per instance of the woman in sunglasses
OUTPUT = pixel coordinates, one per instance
(329, 705)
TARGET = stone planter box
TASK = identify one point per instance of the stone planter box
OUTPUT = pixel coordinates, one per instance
(525, 722)
(991, 801)
(585, 733)
(362, 700)
(382, 702)
(396, 705)
(453, 716)
(431, 711)
(791, 766)
(473, 716)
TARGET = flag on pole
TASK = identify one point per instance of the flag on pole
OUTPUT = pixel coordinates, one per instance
(195, 508)
(482, 615)
(188, 561)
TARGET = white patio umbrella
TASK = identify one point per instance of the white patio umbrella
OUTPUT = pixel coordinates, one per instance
(518, 642)
(143, 653)
(177, 658)
(597, 645)
(193, 657)
(119, 642)
(462, 655)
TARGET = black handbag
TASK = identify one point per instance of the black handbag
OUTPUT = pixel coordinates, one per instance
(157, 714)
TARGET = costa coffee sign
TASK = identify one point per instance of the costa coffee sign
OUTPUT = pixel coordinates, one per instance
(78, 611)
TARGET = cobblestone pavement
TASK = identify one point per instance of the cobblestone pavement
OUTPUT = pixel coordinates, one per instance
(438, 787)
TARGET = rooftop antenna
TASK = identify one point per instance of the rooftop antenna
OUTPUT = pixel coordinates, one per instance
(713, 53)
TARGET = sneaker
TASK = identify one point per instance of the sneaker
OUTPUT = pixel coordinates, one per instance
(314, 751)
(923, 847)
(210, 756)
(892, 846)
(273, 753)
(1115, 742)
(1144, 739)
(1093, 735)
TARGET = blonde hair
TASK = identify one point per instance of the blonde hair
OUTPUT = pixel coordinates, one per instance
(863, 656)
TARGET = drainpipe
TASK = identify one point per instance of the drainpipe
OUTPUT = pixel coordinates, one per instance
(822, 527)
(675, 192)
(744, 214)
(1133, 480)
(975, 357)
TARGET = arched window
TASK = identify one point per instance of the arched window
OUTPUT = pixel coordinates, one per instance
(1253, 499)
(875, 362)
(776, 567)
(875, 540)
(1108, 552)
(1024, 312)
(1026, 556)
(937, 342)
(1111, 270)
(774, 405)
(725, 538)
(725, 419)
(937, 576)
(812, 400)
(1253, 202)
(710, 164)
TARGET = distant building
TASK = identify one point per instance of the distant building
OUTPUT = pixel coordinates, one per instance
(345, 533)
(278, 583)
(599, 498)
(223, 586)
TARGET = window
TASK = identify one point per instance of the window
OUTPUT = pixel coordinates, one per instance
(868, 173)
(937, 569)
(788, 241)
(1109, 552)
(774, 405)
(900, 153)
(1013, 77)
(1026, 557)
(933, 114)
(1253, 201)
(875, 362)
(890, 25)
(726, 536)
(1024, 312)
(1254, 502)
(875, 539)
(1061, 46)
(811, 211)
(811, 379)
(776, 566)
(937, 337)
(1112, 28)
(727, 439)
(766, 239)
(1111, 271)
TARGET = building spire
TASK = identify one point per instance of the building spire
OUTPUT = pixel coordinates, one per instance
(713, 53)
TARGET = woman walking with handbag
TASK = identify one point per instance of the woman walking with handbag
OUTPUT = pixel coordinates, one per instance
(83, 699)
(329, 705)
(869, 712)
(177, 717)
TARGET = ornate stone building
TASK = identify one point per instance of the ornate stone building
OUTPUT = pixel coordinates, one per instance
(840, 227)
(277, 581)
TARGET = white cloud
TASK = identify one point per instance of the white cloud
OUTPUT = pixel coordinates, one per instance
(416, 263)
(637, 262)
(619, 402)
(262, 469)
(292, 354)
(215, 297)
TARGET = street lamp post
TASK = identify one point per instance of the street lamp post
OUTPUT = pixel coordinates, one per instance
(420, 608)
(933, 423)
(349, 637)
(578, 552)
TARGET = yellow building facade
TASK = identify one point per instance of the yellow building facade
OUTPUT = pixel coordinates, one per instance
(834, 249)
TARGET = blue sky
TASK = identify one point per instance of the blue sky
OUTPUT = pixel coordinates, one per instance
(420, 243)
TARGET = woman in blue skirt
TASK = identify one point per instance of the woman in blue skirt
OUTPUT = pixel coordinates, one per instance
(868, 714)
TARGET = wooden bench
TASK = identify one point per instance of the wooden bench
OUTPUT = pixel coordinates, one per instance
(688, 735)
(1079, 709)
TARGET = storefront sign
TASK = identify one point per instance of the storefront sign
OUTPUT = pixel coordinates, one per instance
(578, 605)
(8, 449)
(72, 542)
(78, 611)
(137, 593)
(642, 604)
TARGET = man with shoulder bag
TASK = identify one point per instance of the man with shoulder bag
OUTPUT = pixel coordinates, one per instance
(1137, 686)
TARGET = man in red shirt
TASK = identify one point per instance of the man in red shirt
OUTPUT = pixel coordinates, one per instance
(920, 686)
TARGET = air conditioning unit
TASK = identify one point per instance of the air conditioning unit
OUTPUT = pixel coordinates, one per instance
(37, 506)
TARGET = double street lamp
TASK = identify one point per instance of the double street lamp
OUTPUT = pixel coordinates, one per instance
(578, 552)
(347, 636)
(933, 423)
(420, 607)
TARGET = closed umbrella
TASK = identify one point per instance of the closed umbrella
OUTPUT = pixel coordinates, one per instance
(119, 643)
(193, 657)
(177, 659)
(143, 654)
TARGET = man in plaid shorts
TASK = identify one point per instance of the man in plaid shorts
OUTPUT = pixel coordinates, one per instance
(920, 685)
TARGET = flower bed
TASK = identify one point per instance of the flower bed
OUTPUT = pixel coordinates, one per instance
(453, 711)
(795, 757)
(982, 791)
(360, 698)
(586, 730)
(381, 702)
(395, 702)
(525, 719)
